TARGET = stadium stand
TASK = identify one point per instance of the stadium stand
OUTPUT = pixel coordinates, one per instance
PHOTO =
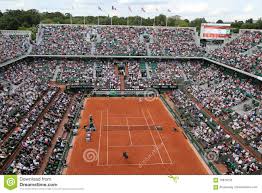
(235, 53)
(35, 146)
(13, 44)
(206, 131)
(63, 40)
(34, 102)
(116, 40)
(73, 71)
(57, 160)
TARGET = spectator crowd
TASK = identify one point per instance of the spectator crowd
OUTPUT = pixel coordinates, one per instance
(235, 53)
(213, 139)
(32, 108)
(116, 40)
(13, 45)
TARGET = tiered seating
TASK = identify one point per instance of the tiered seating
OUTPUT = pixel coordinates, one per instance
(28, 87)
(153, 66)
(13, 44)
(23, 107)
(233, 53)
(35, 146)
(76, 71)
(107, 78)
(10, 145)
(204, 130)
(175, 42)
(134, 78)
(248, 126)
(220, 92)
(116, 40)
(213, 138)
(165, 73)
(56, 157)
(142, 66)
(120, 41)
(237, 160)
(63, 40)
(57, 160)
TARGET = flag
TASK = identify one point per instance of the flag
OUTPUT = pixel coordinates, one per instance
(129, 8)
(143, 9)
(169, 10)
(99, 8)
(113, 8)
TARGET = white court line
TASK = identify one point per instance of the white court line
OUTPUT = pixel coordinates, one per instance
(132, 146)
(128, 125)
(107, 136)
(129, 132)
(152, 136)
(138, 164)
(160, 136)
(114, 117)
(100, 133)
(135, 117)
(118, 115)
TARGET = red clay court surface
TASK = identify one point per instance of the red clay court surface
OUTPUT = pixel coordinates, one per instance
(150, 151)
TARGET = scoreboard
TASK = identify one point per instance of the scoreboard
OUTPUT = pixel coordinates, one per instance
(215, 31)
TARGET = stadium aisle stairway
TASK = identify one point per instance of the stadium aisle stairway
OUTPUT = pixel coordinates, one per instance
(236, 138)
(19, 147)
(122, 82)
(59, 133)
(9, 133)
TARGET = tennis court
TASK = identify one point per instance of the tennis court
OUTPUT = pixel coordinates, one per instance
(143, 129)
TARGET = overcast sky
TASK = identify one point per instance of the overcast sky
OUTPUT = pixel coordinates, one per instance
(212, 10)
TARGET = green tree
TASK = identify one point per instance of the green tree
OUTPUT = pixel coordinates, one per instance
(197, 23)
(160, 20)
(258, 24)
(237, 24)
(20, 19)
(47, 21)
(250, 21)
